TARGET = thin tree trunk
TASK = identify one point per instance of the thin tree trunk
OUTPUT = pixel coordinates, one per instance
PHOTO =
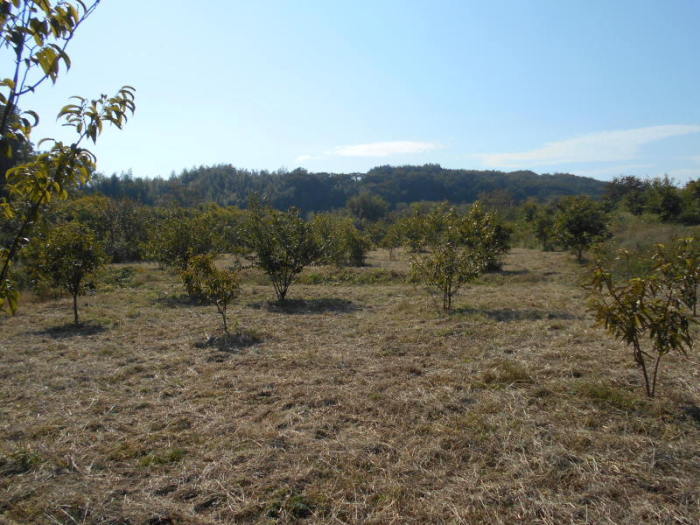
(222, 311)
(640, 360)
(75, 309)
(656, 371)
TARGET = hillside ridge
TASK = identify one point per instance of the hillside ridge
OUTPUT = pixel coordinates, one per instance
(321, 191)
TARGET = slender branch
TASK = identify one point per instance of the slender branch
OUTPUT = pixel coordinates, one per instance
(67, 40)
(16, 243)
(646, 377)
(12, 95)
(656, 371)
(33, 213)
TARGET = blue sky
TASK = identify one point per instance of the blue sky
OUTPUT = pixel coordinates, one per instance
(598, 88)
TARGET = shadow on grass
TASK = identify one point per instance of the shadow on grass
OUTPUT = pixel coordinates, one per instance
(506, 315)
(506, 273)
(307, 306)
(73, 330)
(176, 301)
(692, 412)
(230, 343)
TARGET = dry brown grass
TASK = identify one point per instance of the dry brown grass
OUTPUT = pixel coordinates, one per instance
(359, 404)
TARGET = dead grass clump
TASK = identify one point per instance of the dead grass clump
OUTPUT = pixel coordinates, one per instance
(506, 372)
(19, 462)
(289, 505)
(162, 457)
(606, 394)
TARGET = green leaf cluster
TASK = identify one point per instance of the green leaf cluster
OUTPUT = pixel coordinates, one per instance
(281, 244)
(67, 255)
(679, 264)
(461, 247)
(205, 282)
(340, 241)
(579, 223)
(181, 236)
(446, 268)
(652, 313)
(484, 233)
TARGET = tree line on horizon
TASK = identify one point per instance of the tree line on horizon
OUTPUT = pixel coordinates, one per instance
(227, 185)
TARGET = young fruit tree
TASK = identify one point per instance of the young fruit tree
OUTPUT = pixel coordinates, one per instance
(679, 265)
(367, 206)
(204, 281)
(543, 226)
(484, 234)
(579, 223)
(34, 37)
(342, 244)
(177, 238)
(647, 313)
(66, 257)
(392, 239)
(450, 261)
(446, 268)
(412, 231)
(281, 244)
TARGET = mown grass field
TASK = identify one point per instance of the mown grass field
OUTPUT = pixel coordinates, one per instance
(359, 402)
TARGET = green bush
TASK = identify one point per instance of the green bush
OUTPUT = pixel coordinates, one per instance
(455, 256)
(651, 313)
(579, 223)
(339, 240)
(207, 283)
(65, 257)
(175, 239)
(281, 244)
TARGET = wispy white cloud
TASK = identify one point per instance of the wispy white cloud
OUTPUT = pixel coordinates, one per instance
(302, 158)
(603, 146)
(384, 149)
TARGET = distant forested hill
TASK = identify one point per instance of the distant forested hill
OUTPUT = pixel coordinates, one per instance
(227, 185)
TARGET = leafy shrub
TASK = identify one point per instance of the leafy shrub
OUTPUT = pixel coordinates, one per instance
(679, 264)
(65, 257)
(451, 261)
(367, 206)
(543, 224)
(207, 283)
(120, 225)
(339, 240)
(392, 239)
(175, 239)
(579, 223)
(484, 233)
(652, 313)
(282, 244)
(445, 269)
(412, 231)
